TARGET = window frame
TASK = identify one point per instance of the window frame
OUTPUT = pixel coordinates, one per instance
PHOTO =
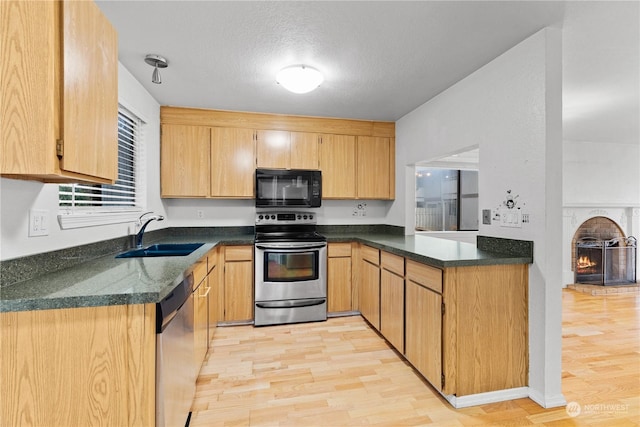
(70, 217)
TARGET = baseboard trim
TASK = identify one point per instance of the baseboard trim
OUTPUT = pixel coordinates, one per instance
(547, 401)
(488, 397)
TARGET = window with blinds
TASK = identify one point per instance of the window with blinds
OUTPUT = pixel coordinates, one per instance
(123, 195)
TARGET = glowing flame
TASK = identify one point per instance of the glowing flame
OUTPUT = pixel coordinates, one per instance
(585, 262)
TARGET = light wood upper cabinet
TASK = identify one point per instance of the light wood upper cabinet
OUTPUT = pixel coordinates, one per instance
(375, 168)
(356, 157)
(304, 150)
(59, 92)
(338, 165)
(286, 150)
(232, 162)
(273, 149)
(184, 161)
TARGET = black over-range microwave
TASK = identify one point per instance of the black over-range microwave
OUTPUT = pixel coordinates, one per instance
(288, 187)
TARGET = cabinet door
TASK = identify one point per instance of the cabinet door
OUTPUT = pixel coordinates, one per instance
(369, 291)
(273, 149)
(238, 291)
(339, 284)
(233, 162)
(423, 346)
(201, 322)
(304, 150)
(184, 161)
(392, 308)
(374, 160)
(338, 165)
(90, 91)
(28, 108)
(238, 283)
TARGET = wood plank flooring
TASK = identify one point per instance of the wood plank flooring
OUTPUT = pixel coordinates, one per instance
(341, 373)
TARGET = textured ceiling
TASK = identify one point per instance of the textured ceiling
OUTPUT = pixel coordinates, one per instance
(380, 59)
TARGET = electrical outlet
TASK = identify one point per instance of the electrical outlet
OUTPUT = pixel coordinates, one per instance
(38, 222)
(200, 214)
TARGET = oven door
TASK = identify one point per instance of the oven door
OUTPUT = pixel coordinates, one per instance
(290, 270)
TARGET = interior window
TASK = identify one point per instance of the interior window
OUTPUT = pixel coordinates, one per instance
(446, 199)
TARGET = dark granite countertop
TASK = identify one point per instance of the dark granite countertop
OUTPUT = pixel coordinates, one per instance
(436, 252)
(106, 280)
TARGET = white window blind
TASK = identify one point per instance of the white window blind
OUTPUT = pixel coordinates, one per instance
(109, 202)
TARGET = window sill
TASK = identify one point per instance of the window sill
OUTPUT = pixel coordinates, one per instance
(94, 219)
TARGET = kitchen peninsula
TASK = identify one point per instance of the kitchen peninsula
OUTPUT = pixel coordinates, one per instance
(83, 338)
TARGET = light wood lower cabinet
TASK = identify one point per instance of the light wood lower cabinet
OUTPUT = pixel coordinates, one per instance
(201, 312)
(339, 272)
(78, 366)
(369, 285)
(392, 299)
(423, 345)
(238, 283)
(467, 327)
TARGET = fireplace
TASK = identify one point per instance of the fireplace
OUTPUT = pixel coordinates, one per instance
(605, 262)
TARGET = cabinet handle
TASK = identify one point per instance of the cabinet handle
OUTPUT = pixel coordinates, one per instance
(206, 294)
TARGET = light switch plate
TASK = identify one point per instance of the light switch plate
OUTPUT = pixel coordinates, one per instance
(486, 216)
(38, 222)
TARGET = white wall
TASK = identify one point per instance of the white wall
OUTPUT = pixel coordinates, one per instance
(601, 174)
(511, 109)
(18, 197)
(229, 212)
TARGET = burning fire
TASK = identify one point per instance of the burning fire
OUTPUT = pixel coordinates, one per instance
(585, 262)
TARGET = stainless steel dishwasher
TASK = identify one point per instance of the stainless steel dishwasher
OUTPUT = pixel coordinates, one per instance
(175, 376)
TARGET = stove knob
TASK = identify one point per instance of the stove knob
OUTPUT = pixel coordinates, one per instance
(273, 217)
(305, 217)
(260, 216)
(310, 216)
(299, 216)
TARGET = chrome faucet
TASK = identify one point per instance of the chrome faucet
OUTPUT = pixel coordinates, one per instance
(138, 239)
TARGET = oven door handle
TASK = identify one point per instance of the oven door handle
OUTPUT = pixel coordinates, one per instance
(291, 246)
(291, 303)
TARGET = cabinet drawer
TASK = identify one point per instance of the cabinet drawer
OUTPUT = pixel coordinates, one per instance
(212, 259)
(335, 250)
(425, 275)
(199, 271)
(238, 253)
(393, 263)
(370, 254)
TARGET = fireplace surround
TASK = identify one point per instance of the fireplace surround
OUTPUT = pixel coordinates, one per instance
(604, 222)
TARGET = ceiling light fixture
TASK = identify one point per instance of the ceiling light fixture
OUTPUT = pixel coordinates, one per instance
(156, 61)
(299, 78)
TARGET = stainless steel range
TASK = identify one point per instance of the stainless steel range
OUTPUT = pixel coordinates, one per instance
(290, 269)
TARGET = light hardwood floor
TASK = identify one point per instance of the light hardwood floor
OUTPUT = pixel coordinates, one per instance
(340, 373)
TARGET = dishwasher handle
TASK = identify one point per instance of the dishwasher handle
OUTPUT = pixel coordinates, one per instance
(309, 302)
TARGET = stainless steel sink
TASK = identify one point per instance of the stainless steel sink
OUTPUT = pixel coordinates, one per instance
(162, 249)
